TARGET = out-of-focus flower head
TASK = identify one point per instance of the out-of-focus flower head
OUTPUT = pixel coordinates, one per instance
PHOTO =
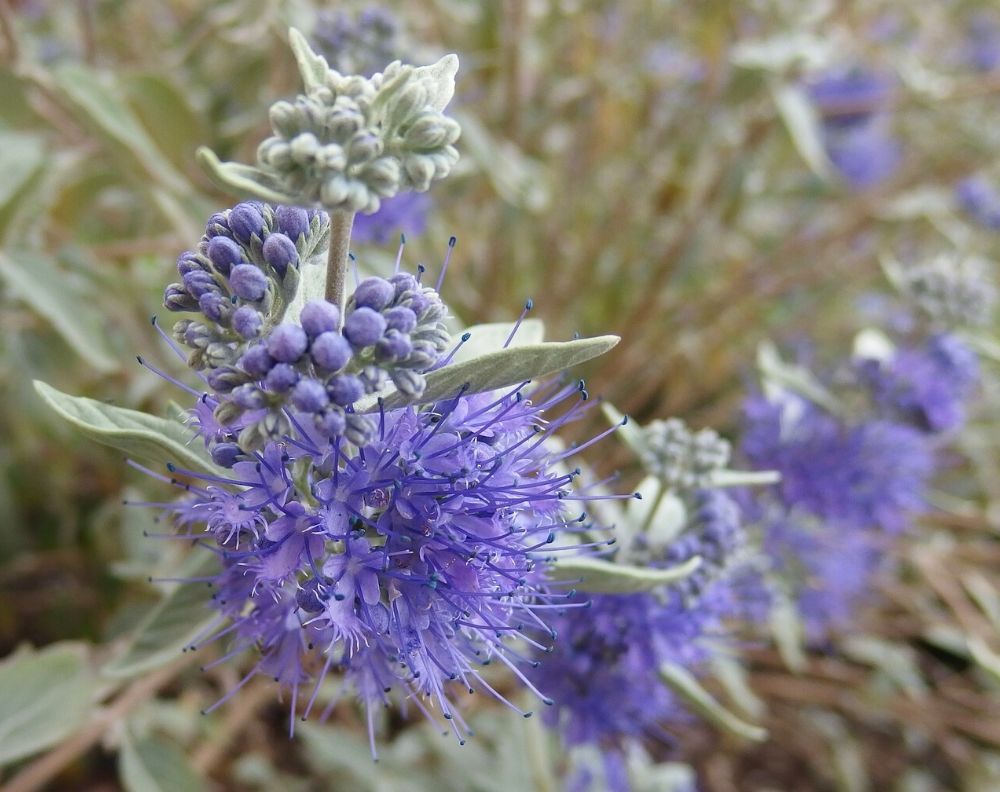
(857, 129)
(358, 43)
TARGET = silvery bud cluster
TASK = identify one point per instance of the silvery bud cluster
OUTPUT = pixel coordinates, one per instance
(350, 141)
(682, 459)
(952, 289)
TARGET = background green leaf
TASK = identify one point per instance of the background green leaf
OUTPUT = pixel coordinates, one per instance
(603, 577)
(44, 697)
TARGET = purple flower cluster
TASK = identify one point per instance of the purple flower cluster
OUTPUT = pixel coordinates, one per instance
(408, 562)
(926, 387)
(603, 671)
(847, 487)
(854, 105)
(360, 43)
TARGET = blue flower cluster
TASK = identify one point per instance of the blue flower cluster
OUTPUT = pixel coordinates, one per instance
(849, 484)
(408, 556)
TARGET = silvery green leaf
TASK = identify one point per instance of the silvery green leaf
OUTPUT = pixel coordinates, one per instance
(595, 576)
(439, 81)
(312, 67)
(985, 657)
(803, 124)
(44, 697)
(787, 376)
(683, 683)
(786, 629)
(135, 433)
(153, 764)
(21, 160)
(781, 53)
(508, 367)
(719, 479)
(733, 676)
(490, 337)
(172, 623)
(985, 345)
(630, 432)
(37, 281)
(897, 662)
(244, 179)
(98, 102)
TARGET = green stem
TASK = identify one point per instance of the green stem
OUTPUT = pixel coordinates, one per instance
(336, 264)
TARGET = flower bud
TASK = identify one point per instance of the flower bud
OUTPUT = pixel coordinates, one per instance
(280, 253)
(330, 351)
(287, 342)
(292, 221)
(257, 361)
(248, 282)
(374, 293)
(364, 327)
(319, 316)
(246, 220)
(345, 389)
(247, 322)
(309, 396)
(281, 378)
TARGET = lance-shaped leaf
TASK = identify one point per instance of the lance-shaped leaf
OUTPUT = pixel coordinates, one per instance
(38, 281)
(153, 764)
(44, 697)
(491, 336)
(243, 179)
(506, 368)
(172, 624)
(136, 433)
(596, 576)
(684, 684)
(803, 124)
(778, 373)
(312, 66)
(743, 478)
(630, 432)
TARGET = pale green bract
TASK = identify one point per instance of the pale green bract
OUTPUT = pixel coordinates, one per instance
(684, 684)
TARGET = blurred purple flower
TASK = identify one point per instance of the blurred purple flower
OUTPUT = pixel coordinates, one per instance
(926, 387)
(402, 214)
(855, 105)
(978, 198)
(983, 42)
(871, 475)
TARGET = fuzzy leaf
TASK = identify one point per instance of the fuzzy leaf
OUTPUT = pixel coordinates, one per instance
(629, 433)
(102, 107)
(595, 576)
(172, 623)
(135, 433)
(803, 124)
(38, 282)
(21, 159)
(683, 683)
(44, 697)
(439, 80)
(153, 764)
(490, 337)
(796, 379)
(507, 367)
(243, 179)
(720, 479)
(312, 67)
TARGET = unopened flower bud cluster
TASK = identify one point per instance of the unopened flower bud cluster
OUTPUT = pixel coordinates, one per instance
(245, 269)
(264, 372)
(682, 459)
(352, 141)
(952, 290)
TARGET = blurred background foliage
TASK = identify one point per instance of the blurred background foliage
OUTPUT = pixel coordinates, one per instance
(653, 169)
